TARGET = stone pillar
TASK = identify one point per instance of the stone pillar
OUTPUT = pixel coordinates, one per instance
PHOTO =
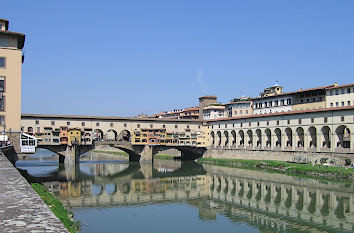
(147, 155)
(72, 155)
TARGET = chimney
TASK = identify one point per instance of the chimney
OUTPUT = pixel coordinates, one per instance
(335, 84)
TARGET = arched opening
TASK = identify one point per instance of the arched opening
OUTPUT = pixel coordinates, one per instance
(97, 135)
(259, 138)
(226, 135)
(233, 134)
(268, 138)
(242, 137)
(343, 137)
(300, 137)
(219, 138)
(124, 136)
(212, 134)
(289, 137)
(250, 137)
(278, 141)
(111, 135)
(326, 134)
(313, 137)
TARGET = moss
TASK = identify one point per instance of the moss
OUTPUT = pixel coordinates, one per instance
(306, 170)
(57, 208)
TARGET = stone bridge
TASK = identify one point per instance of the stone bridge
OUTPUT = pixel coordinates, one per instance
(70, 154)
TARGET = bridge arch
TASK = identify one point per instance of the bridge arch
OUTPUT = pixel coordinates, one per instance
(233, 136)
(343, 137)
(300, 137)
(242, 137)
(226, 135)
(313, 137)
(326, 137)
(278, 142)
(111, 135)
(268, 134)
(259, 138)
(98, 135)
(124, 136)
(219, 138)
(250, 137)
(289, 137)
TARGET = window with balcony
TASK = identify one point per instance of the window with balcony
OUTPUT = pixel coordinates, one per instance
(97, 124)
(68, 123)
(52, 122)
(2, 120)
(82, 123)
(2, 62)
(2, 104)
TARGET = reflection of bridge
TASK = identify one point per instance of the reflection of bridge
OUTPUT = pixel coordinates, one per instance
(71, 154)
(278, 200)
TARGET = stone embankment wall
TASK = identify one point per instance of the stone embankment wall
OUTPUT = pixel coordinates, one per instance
(21, 208)
(303, 157)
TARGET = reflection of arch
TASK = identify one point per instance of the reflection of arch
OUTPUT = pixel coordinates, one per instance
(212, 134)
(269, 137)
(233, 134)
(259, 137)
(300, 137)
(226, 134)
(343, 136)
(111, 135)
(250, 137)
(124, 136)
(326, 135)
(313, 137)
(219, 138)
(242, 137)
(277, 132)
(96, 190)
(110, 189)
(98, 135)
(289, 137)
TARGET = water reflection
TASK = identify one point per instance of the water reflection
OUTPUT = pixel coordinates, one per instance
(269, 202)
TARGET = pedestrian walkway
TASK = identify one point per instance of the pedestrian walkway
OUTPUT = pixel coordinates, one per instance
(21, 208)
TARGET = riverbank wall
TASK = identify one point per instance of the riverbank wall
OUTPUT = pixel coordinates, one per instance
(22, 209)
(299, 157)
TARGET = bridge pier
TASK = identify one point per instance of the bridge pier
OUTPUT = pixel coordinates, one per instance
(147, 154)
(72, 155)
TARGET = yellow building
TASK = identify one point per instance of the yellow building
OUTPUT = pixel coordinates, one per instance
(11, 58)
(74, 136)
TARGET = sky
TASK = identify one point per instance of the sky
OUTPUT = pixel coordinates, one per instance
(123, 58)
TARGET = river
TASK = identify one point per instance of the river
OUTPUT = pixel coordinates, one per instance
(109, 195)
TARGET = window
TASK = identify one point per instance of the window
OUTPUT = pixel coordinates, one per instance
(337, 104)
(38, 129)
(125, 124)
(342, 118)
(52, 122)
(68, 123)
(219, 126)
(342, 103)
(330, 92)
(288, 101)
(331, 104)
(337, 92)
(188, 126)
(257, 123)
(151, 126)
(312, 120)
(82, 123)
(2, 120)
(225, 126)
(348, 90)
(2, 104)
(288, 122)
(164, 126)
(241, 124)
(278, 122)
(267, 122)
(299, 121)
(2, 62)
(342, 91)
(348, 103)
(246, 111)
(2, 84)
(37, 122)
(198, 126)
(176, 126)
(97, 124)
(325, 120)
(138, 126)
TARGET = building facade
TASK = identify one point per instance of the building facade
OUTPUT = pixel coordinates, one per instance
(340, 96)
(11, 58)
(239, 108)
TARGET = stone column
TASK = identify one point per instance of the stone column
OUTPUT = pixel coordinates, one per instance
(147, 155)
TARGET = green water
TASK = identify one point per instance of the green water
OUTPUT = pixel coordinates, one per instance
(174, 196)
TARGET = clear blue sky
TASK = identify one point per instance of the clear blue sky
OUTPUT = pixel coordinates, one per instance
(127, 57)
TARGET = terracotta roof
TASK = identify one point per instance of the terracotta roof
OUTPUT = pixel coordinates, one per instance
(283, 113)
(242, 101)
(345, 85)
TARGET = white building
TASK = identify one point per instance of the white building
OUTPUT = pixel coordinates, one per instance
(213, 112)
(272, 104)
(340, 96)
